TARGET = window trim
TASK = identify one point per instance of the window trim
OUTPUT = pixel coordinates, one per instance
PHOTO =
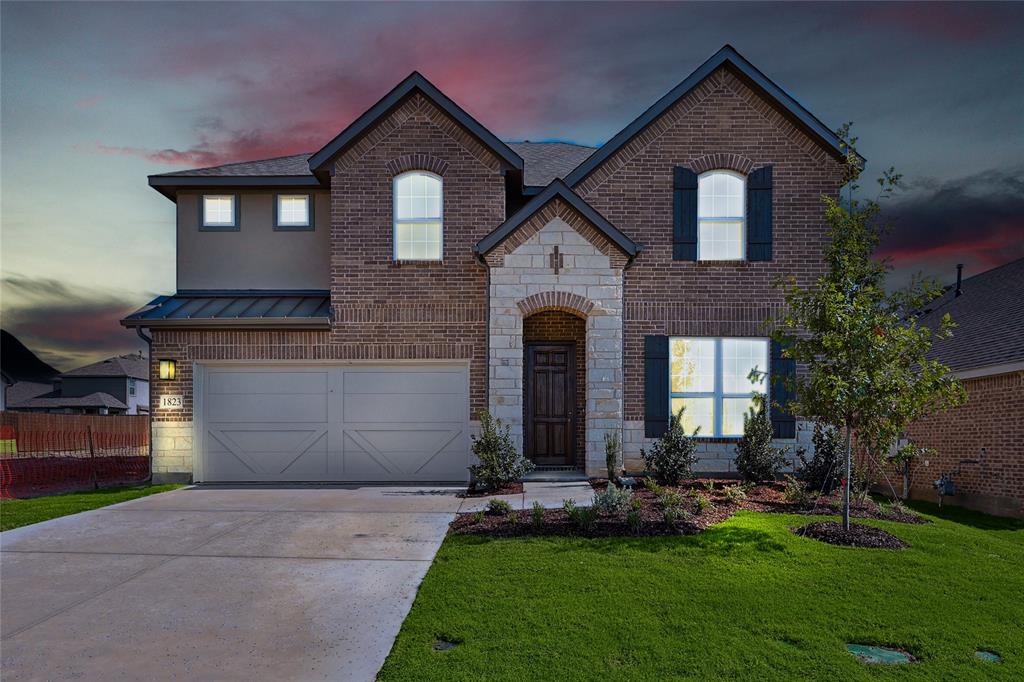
(741, 218)
(395, 221)
(310, 225)
(718, 394)
(236, 208)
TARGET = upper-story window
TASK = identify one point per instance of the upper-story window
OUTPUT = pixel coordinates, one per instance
(293, 212)
(721, 210)
(219, 212)
(131, 386)
(715, 380)
(417, 212)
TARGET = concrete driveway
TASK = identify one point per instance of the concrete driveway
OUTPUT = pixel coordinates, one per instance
(215, 583)
(299, 583)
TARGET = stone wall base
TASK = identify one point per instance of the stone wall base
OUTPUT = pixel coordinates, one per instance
(172, 450)
(716, 457)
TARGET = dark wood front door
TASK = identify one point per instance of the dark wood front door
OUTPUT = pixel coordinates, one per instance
(550, 396)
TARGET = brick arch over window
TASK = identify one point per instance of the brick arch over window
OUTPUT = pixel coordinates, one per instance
(417, 162)
(556, 300)
(721, 161)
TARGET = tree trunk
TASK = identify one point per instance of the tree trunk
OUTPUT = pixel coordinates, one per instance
(906, 480)
(848, 446)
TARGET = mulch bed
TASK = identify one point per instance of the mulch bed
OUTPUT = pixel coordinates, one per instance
(514, 489)
(693, 517)
(859, 535)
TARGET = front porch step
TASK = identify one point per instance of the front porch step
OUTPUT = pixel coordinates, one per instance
(555, 474)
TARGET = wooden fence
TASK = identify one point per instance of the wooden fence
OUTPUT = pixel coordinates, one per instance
(45, 453)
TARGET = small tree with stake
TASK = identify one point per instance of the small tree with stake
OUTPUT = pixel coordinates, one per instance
(865, 355)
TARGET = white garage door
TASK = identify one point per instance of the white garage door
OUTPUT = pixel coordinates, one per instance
(319, 423)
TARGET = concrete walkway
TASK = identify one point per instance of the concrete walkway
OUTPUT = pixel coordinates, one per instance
(300, 583)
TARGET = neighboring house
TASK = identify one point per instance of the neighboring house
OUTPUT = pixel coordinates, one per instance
(22, 373)
(986, 352)
(345, 315)
(117, 385)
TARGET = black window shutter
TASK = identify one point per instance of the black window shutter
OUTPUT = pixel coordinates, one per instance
(783, 370)
(759, 214)
(684, 214)
(655, 386)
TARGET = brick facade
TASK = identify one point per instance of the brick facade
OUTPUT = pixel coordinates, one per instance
(414, 310)
(462, 309)
(560, 326)
(993, 419)
(722, 123)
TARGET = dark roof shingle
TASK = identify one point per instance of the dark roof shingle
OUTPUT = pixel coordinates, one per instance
(98, 399)
(989, 318)
(296, 164)
(545, 161)
(134, 366)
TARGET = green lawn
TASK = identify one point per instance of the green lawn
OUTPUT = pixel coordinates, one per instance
(16, 513)
(746, 599)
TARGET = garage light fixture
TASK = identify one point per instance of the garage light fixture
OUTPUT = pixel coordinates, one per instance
(167, 370)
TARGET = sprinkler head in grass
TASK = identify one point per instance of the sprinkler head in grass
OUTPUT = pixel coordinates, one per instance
(879, 655)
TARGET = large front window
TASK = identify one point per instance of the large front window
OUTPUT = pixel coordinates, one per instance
(721, 207)
(417, 216)
(712, 379)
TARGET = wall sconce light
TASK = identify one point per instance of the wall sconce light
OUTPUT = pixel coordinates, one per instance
(167, 370)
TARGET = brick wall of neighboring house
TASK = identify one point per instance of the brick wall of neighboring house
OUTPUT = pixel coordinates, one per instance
(555, 325)
(993, 419)
(721, 124)
(415, 310)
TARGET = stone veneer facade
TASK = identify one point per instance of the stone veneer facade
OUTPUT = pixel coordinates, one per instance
(589, 284)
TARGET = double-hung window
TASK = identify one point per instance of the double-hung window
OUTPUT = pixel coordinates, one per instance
(715, 380)
(417, 213)
(218, 212)
(293, 212)
(721, 211)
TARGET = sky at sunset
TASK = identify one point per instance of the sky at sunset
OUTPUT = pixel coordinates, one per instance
(97, 96)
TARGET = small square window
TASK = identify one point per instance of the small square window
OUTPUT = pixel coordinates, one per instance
(293, 212)
(219, 212)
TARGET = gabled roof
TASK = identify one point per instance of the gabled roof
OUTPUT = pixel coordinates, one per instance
(98, 399)
(18, 363)
(296, 164)
(989, 317)
(133, 365)
(235, 308)
(557, 189)
(725, 56)
(414, 83)
(546, 161)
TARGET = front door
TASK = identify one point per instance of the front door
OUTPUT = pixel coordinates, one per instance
(550, 396)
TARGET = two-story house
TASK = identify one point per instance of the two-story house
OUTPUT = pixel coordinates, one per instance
(344, 315)
(117, 385)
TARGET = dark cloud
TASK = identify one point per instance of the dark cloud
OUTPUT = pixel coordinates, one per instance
(67, 327)
(976, 220)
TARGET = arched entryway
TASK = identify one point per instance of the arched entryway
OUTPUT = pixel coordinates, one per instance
(555, 388)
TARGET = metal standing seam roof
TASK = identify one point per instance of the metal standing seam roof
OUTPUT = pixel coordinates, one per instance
(235, 308)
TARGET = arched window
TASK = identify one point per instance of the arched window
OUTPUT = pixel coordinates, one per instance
(417, 214)
(721, 211)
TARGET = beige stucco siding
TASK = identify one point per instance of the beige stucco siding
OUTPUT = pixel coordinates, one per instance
(256, 256)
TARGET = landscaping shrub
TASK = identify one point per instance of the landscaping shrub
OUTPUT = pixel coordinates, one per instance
(537, 514)
(500, 463)
(584, 518)
(734, 494)
(671, 515)
(796, 492)
(670, 500)
(612, 449)
(613, 500)
(671, 458)
(478, 517)
(756, 460)
(860, 483)
(701, 503)
(823, 473)
(634, 521)
(653, 487)
(499, 508)
(569, 506)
